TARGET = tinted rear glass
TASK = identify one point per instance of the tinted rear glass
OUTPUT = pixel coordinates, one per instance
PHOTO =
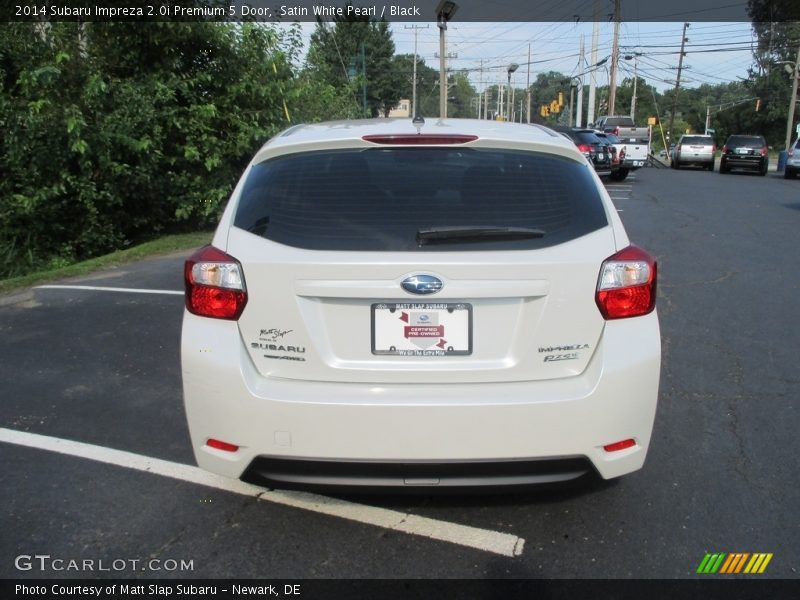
(745, 141)
(618, 122)
(697, 140)
(378, 199)
(586, 137)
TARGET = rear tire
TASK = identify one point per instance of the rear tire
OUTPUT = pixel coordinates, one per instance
(789, 174)
(763, 170)
(619, 175)
(711, 166)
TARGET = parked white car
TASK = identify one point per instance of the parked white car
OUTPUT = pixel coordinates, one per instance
(448, 305)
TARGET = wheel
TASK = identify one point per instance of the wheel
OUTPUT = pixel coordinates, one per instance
(677, 164)
(789, 173)
(711, 166)
(763, 170)
(620, 175)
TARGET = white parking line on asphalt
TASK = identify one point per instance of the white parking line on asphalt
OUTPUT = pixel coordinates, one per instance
(504, 544)
(108, 289)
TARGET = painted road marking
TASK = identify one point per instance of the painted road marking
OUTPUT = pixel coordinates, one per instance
(108, 289)
(504, 544)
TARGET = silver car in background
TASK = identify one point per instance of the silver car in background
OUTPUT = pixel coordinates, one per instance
(694, 150)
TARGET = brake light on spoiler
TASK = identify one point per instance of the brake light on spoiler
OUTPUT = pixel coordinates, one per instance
(421, 139)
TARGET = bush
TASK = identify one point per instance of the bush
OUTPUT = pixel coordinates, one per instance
(114, 133)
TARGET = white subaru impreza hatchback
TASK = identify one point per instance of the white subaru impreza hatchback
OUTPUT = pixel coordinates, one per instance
(450, 304)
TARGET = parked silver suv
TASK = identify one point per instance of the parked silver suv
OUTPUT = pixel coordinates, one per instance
(695, 150)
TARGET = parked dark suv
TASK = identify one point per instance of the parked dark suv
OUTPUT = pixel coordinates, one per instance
(745, 152)
(592, 147)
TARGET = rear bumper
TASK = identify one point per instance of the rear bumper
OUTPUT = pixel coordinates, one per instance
(702, 159)
(634, 163)
(755, 164)
(421, 425)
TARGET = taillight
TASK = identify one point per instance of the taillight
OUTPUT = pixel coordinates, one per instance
(763, 151)
(678, 148)
(725, 150)
(713, 148)
(615, 131)
(585, 148)
(627, 284)
(214, 284)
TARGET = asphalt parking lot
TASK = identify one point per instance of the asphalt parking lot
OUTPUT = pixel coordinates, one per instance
(91, 370)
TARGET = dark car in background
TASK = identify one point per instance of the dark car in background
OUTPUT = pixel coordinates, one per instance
(592, 147)
(617, 149)
(747, 152)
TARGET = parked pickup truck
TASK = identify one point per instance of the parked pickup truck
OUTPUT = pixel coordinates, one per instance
(636, 139)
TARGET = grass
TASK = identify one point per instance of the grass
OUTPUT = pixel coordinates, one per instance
(165, 245)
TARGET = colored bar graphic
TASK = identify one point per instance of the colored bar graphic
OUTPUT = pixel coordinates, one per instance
(734, 563)
(765, 563)
(731, 560)
(704, 563)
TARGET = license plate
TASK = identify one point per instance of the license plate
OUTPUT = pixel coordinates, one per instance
(638, 163)
(743, 150)
(422, 329)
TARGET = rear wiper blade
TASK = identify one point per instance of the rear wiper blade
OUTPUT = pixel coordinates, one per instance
(475, 233)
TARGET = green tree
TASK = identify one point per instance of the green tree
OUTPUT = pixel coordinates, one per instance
(427, 83)
(357, 50)
(112, 133)
(462, 97)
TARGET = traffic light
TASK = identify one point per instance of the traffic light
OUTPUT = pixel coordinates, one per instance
(561, 98)
(545, 111)
(758, 104)
(554, 107)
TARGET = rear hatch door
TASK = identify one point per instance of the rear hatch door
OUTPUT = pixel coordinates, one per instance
(328, 239)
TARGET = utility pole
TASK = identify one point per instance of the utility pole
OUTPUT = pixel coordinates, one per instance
(592, 77)
(635, 81)
(581, 66)
(612, 85)
(442, 75)
(480, 85)
(790, 120)
(416, 29)
(677, 87)
(528, 87)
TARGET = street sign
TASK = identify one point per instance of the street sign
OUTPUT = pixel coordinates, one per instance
(710, 131)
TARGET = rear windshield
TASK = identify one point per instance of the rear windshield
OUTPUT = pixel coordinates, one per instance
(697, 140)
(379, 199)
(618, 122)
(745, 141)
(586, 137)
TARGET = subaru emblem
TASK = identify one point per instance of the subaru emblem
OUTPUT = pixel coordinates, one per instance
(422, 284)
